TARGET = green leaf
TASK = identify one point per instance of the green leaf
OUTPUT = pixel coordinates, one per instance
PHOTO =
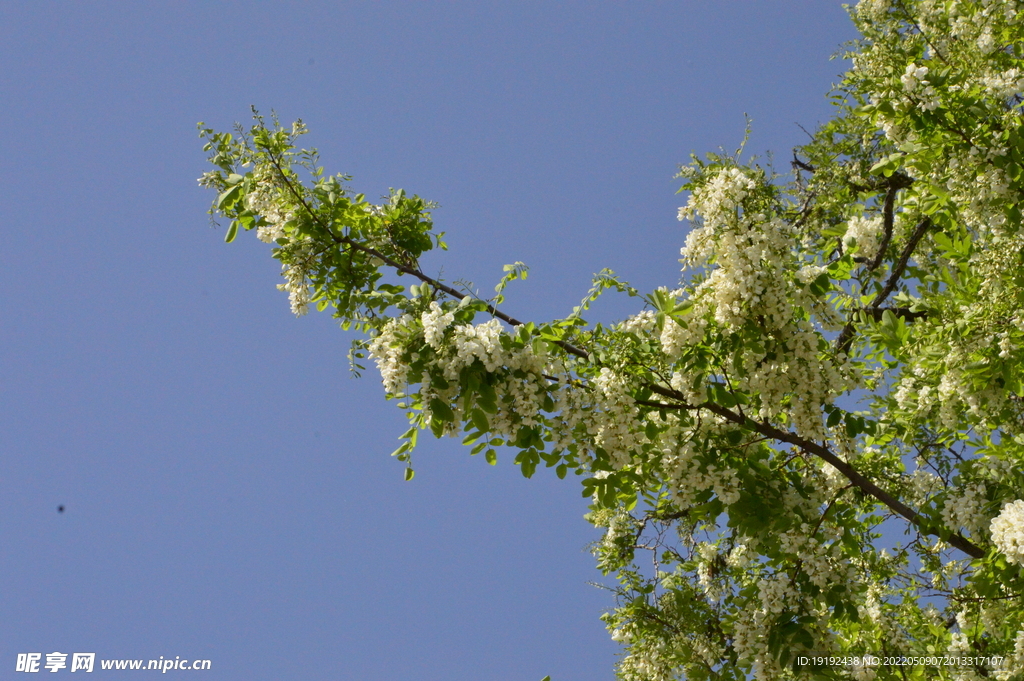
(441, 410)
(488, 398)
(232, 231)
(409, 474)
(720, 394)
(854, 425)
(491, 456)
(888, 319)
(887, 166)
(834, 418)
(228, 197)
(479, 420)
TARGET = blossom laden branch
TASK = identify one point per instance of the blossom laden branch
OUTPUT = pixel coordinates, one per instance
(856, 478)
(730, 414)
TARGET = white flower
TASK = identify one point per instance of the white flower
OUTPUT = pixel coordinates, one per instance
(809, 273)
(986, 43)
(864, 233)
(966, 510)
(872, 9)
(435, 322)
(1008, 531)
(266, 200)
(913, 76)
(639, 324)
(295, 274)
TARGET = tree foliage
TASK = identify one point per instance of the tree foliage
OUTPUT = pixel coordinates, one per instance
(839, 365)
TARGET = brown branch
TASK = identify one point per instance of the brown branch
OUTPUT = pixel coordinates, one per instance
(664, 405)
(797, 163)
(406, 269)
(904, 312)
(887, 220)
(860, 481)
(823, 453)
(828, 508)
(845, 338)
(901, 264)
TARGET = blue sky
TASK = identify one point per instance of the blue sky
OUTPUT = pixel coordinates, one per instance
(227, 488)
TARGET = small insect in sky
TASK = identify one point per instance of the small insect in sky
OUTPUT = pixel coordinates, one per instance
(60, 509)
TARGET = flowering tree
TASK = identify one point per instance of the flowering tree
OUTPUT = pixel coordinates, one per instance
(841, 362)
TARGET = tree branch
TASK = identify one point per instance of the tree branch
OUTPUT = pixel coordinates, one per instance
(901, 264)
(845, 338)
(859, 480)
(403, 268)
(904, 312)
(887, 221)
(823, 453)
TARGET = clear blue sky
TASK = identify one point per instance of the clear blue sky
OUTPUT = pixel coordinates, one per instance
(227, 488)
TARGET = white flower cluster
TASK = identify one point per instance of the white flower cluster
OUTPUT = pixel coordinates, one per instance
(435, 322)
(706, 555)
(746, 249)
(480, 342)
(295, 274)
(613, 422)
(679, 333)
(809, 381)
(621, 524)
(640, 324)
(809, 273)
(873, 9)
(717, 203)
(956, 397)
(821, 562)
(520, 400)
(966, 510)
(912, 79)
(1017, 663)
(687, 479)
(386, 350)
(749, 283)
(1008, 531)
(872, 608)
(913, 76)
(922, 484)
(1006, 84)
(863, 233)
(457, 346)
(775, 593)
(926, 96)
(741, 555)
(266, 201)
(949, 392)
(648, 661)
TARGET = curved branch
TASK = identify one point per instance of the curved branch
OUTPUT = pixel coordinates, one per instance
(901, 264)
(851, 474)
(825, 454)
(845, 338)
(403, 268)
